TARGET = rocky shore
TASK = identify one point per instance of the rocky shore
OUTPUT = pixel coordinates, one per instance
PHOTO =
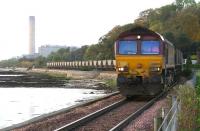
(39, 78)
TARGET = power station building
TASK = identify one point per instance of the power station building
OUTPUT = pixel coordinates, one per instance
(43, 50)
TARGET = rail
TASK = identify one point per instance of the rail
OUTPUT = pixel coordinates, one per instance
(119, 126)
(90, 117)
(133, 116)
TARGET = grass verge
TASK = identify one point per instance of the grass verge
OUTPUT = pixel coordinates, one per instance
(189, 116)
(189, 108)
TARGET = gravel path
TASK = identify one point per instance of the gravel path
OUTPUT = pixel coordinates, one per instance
(57, 121)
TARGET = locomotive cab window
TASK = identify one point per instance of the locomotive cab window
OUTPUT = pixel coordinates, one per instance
(127, 47)
(150, 47)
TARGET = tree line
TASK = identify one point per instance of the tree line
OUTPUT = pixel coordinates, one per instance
(179, 22)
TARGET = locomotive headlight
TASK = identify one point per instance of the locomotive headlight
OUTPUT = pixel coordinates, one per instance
(155, 69)
(121, 69)
(138, 37)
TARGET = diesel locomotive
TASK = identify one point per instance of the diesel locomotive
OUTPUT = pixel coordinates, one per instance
(146, 62)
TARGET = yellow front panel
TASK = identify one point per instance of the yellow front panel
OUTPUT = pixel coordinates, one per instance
(139, 65)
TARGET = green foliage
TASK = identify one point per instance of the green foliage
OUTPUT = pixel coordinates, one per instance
(9, 63)
(180, 25)
(170, 36)
(68, 55)
(183, 42)
(189, 108)
(40, 62)
(198, 96)
(178, 22)
(111, 83)
(60, 55)
(188, 63)
(184, 3)
(25, 64)
(194, 57)
(91, 52)
(187, 72)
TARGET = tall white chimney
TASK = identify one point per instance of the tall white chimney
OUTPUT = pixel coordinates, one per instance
(31, 35)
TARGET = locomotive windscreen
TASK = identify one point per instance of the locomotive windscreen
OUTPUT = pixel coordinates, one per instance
(127, 47)
(150, 47)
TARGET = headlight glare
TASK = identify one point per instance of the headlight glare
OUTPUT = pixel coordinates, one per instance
(121, 69)
(155, 69)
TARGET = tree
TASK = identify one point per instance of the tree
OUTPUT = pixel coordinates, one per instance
(91, 52)
(184, 3)
(198, 55)
(79, 53)
(170, 36)
(40, 61)
(13, 62)
(183, 42)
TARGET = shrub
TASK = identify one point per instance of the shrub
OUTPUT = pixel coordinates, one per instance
(189, 108)
(187, 73)
(198, 96)
(111, 83)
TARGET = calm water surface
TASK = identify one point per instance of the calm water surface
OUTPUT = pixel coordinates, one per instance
(21, 104)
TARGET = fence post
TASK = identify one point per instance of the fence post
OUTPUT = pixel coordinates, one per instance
(174, 122)
(157, 123)
(163, 117)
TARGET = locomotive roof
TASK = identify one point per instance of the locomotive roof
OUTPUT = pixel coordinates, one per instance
(139, 30)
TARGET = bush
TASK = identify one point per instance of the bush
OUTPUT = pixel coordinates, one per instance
(198, 96)
(111, 83)
(189, 108)
(187, 73)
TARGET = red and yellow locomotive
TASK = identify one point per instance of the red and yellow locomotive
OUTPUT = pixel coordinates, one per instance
(146, 63)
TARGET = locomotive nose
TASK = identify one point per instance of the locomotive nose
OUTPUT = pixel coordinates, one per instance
(139, 65)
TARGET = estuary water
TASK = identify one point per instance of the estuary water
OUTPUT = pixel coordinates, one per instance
(21, 104)
(24, 96)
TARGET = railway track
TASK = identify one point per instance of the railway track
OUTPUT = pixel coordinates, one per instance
(121, 113)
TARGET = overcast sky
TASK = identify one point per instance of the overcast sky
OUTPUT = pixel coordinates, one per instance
(64, 22)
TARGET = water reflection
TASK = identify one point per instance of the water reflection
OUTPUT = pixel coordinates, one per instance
(14, 75)
(20, 104)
